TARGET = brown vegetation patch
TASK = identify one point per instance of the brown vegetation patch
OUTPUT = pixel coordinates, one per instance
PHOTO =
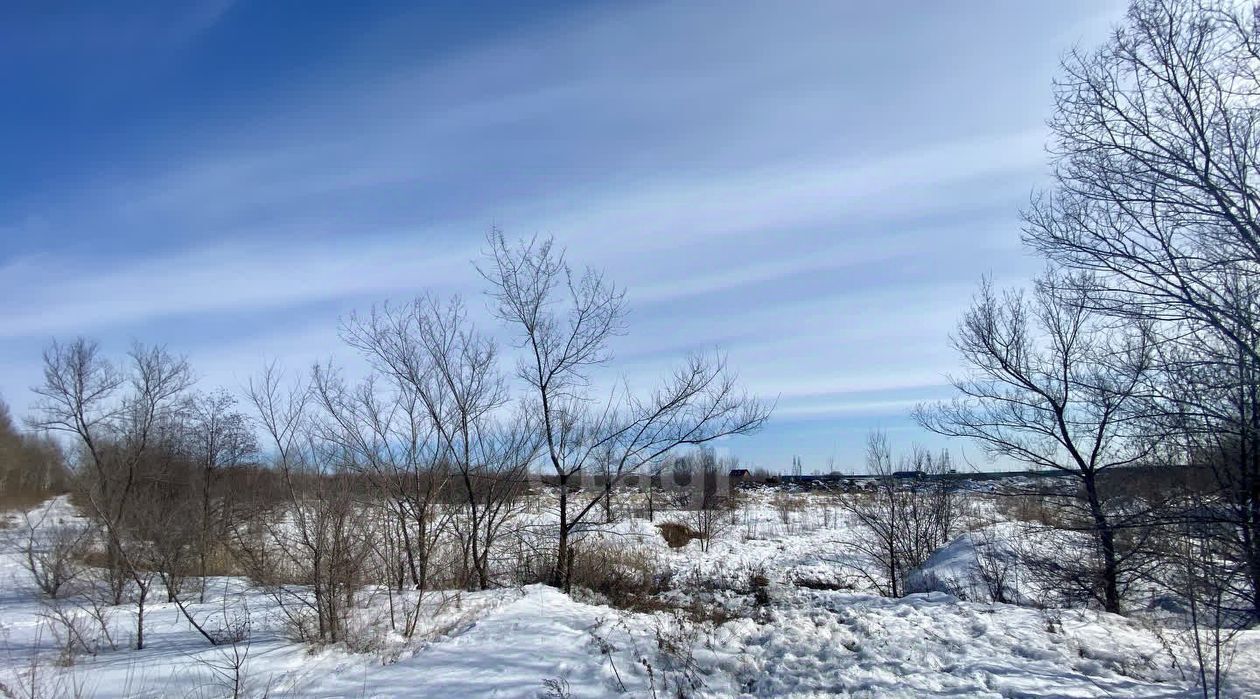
(1035, 509)
(824, 585)
(677, 535)
(628, 577)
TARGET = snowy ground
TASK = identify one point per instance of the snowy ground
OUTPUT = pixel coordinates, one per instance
(806, 629)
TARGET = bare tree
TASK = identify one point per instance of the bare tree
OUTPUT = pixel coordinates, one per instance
(564, 322)
(1156, 155)
(431, 353)
(217, 437)
(320, 538)
(119, 421)
(709, 497)
(1208, 404)
(1052, 385)
(53, 551)
(905, 518)
(384, 429)
(79, 396)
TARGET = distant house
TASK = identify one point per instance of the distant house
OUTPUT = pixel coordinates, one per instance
(740, 476)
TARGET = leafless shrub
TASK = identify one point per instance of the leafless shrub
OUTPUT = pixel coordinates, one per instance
(366, 631)
(906, 517)
(786, 504)
(53, 552)
(29, 678)
(677, 667)
(557, 688)
(830, 516)
(80, 628)
(829, 583)
(997, 568)
(233, 642)
(321, 536)
(759, 582)
(665, 661)
(1030, 507)
(710, 502)
(1209, 599)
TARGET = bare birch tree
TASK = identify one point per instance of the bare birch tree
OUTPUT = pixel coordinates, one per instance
(564, 321)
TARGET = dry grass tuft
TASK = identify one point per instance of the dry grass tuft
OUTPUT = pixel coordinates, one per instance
(678, 535)
(626, 577)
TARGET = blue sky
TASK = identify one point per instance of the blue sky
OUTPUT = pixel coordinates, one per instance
(815, 188)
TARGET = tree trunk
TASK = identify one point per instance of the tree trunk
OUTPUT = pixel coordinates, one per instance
(422, 560)
(144, 591)
(1106, 536)
(559, 577)
(410, 554)
(205, 533)
(1251, 467)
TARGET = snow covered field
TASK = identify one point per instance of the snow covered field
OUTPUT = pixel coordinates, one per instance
(784, 616)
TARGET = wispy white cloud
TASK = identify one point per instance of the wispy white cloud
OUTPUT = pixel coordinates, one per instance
(841, 407)
(255, 276)
(779, 181)
(67, 296)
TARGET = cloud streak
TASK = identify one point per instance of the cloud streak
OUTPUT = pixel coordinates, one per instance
(782, 182)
